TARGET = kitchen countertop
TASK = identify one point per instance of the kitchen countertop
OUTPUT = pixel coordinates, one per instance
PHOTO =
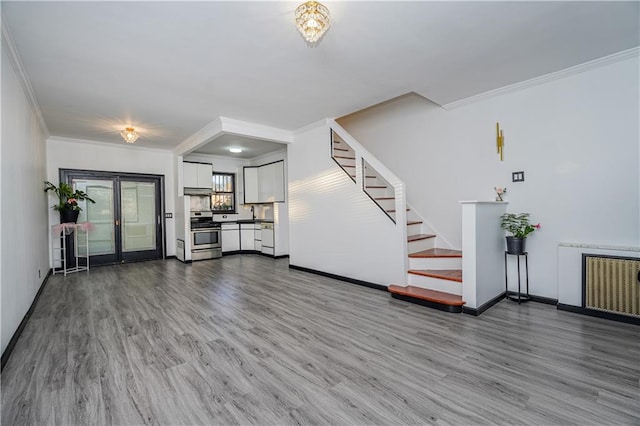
(247, 221)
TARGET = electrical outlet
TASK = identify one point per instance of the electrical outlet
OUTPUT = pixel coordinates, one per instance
(168, 215)
(517, 177)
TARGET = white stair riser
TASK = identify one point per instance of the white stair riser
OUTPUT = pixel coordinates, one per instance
(387, 204)
(437, 284)
(414, 229)
(415, 246)
(435, 263)
(346, 161)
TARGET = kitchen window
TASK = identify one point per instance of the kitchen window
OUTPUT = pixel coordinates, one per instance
(223, 199)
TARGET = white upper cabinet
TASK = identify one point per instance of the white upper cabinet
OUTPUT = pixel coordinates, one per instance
(278, 181)
(197, 175)
(264, 184)
(250, 180)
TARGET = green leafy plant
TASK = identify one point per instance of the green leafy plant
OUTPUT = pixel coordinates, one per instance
(67, 197)
(517, 224)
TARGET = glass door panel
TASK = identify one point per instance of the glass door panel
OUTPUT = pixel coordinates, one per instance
(125, 217)
(102, 237)
(138, 216)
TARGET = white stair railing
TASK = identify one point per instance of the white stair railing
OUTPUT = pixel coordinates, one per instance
(396, 186)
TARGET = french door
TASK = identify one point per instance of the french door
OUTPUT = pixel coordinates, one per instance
(126, 217)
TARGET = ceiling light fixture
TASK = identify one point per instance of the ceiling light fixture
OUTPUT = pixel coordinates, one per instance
(129, 135)
(235, 150)
(312, 20)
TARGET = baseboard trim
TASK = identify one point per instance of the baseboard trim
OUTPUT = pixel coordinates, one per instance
(340, 277)
(479, 310)
(534, 298)
(14, 339)
(599, 314)
(170, 257)
(545, 300)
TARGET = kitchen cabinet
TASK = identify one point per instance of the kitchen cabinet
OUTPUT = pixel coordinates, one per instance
(230, 237)
(250, 180)
(264, 184)
(247, 237)
(197, 175)
(257, 237)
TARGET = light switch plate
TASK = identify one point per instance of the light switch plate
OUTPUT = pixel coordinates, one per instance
(517, 177)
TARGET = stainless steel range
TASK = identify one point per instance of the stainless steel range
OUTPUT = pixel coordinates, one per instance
(206, 236)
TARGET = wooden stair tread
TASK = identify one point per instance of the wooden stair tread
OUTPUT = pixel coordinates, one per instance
(436, 252)
(347, 165)
(443, 274)
(425, 294)
(414, 222)
(418, 237)
(376, 186)
(368, 177)
(341, 149)
(392, 210)
(385, 198)
(344, 158)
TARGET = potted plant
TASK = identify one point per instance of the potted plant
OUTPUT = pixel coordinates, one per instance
(519, 226)
(67, 201)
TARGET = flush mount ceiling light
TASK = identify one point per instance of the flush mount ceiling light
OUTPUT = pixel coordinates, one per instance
(312, 20)
(235, 150)
(129, 135)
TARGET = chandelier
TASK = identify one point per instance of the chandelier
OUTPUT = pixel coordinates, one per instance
(129, 135)
(312, 20)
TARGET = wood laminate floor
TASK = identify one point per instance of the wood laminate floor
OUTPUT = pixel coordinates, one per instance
(245, 340)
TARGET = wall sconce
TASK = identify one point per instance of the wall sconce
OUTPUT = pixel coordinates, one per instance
(499, 142)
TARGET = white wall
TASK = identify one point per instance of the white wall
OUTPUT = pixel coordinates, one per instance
(333, 226)
(89, 155)
(23, 214)
(576, 138)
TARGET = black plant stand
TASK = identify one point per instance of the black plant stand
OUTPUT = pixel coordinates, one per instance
(517, 297)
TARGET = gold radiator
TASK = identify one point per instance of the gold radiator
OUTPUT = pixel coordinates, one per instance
(611, 284)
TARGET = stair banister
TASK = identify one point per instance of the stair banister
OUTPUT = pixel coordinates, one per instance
(398, 185)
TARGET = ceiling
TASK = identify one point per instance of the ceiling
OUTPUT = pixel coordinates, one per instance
(170, 68)
(251, 148)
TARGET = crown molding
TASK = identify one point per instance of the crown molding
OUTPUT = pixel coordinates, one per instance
(107, 144)
(25, 82)
(587, 66)
(311, 126)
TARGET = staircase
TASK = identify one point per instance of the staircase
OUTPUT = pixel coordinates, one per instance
(434, 276)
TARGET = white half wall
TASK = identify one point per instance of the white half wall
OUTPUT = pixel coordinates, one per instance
(333, 225)
(577, 139)
(482, 244)
(23, 213)
(90, 155)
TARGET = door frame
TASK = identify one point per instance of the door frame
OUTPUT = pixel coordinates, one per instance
(66, 175)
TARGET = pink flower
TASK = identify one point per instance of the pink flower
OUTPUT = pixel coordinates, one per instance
(538, 226)
(72, 201)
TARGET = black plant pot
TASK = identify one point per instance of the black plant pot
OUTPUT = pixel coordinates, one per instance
(69, 216)
(516, 245)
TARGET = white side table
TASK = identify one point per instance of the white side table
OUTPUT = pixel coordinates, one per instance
(80, 232)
